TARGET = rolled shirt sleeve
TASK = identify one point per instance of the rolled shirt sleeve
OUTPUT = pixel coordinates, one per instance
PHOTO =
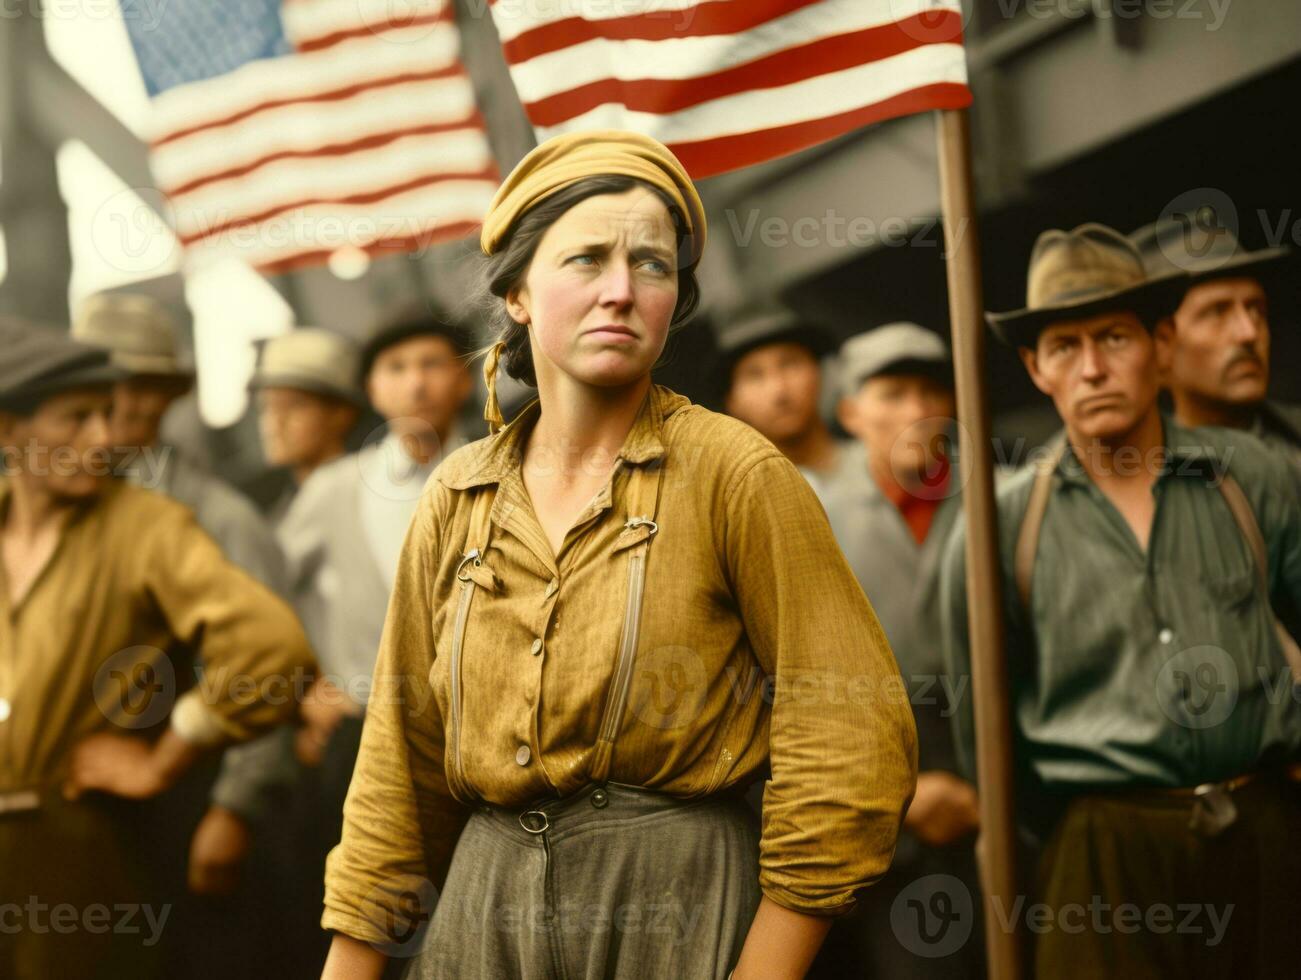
(253, 653)
(842, 738)
(400, 821)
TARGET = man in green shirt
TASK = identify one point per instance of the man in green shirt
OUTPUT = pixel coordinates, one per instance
(1213, 343)
(1153, 709)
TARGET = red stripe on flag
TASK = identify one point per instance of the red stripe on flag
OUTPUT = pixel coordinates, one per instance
(472, 121)
(434, 236)
(369, 197)
(664, 96)
(705, 158)
(450, 71)
(704, 20)
(374, 30)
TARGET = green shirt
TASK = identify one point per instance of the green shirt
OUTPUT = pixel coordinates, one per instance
(1133, 668)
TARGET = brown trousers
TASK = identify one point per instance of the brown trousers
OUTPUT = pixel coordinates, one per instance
(1131, 891)
(72, 903)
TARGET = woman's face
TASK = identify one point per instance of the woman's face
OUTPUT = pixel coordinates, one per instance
(600, 292)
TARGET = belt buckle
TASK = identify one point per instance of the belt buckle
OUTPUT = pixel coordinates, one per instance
(1213, 810)
(535, 822)
(21, 801)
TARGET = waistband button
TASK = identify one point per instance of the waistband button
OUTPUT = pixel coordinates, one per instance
(600, 799)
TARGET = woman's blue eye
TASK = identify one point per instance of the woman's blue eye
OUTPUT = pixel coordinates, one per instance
(581, 258)
(657, 266)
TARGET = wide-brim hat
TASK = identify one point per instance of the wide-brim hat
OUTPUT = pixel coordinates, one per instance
(137, 330)
(310, 359)
(1202, 248)
(1081, 273)
(414, 321)
(762, 324)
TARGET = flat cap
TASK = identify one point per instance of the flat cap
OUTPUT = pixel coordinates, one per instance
(414, 321)
(894, 348)
(763, 323)
(37, 361)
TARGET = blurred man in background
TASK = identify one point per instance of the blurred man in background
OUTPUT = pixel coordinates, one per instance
(770, 366)
(343, 535)
(105, 587)
(141, 338)
(308, 402)
(1213, 344)
(891, 508)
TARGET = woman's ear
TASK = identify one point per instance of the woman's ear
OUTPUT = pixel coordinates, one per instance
(517, 305)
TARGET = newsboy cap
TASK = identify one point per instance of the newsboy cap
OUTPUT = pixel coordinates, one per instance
(413, 321)
(898, 348)
(138, 331)
(760, 324)
(310, 359)
(37, 361)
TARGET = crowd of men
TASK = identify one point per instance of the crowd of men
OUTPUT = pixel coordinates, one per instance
(1151, 557)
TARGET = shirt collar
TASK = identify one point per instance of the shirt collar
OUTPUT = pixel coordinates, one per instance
(1185, 452)
(490, 459)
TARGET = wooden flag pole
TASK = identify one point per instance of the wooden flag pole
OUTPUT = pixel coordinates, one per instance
(984, 580)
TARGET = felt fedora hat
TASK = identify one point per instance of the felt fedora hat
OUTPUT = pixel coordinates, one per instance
(310, 359)
(138, 332)
(1080, 273)
(1203, 249)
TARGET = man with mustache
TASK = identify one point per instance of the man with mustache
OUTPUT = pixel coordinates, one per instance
(1213, 345)
(1149, 684)
(770, 366)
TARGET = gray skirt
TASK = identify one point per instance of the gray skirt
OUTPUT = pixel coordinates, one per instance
(613, 882)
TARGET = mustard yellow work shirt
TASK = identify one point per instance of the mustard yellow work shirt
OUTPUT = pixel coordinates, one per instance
(132, 582)
(755, 641)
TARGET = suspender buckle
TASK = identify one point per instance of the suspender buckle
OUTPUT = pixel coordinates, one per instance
(473, 555)
(635, 522)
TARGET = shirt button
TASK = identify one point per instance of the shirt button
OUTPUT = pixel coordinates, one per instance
(1166, 636)
(4, 710)
(536, 648)
(522, 755)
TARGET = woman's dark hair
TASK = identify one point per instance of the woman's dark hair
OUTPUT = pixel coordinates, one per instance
(505, 270)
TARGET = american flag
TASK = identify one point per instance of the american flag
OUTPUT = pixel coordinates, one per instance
(730, 83)
(282, 132)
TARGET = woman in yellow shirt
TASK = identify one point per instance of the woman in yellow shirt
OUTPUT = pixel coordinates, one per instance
(611, 615)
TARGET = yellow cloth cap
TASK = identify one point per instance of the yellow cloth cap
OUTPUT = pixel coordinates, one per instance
(564, 160)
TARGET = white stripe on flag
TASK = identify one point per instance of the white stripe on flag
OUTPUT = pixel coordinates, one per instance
(326, 227)
(515, 17)
(306, 22)
(300, 76)
(286, 181)
(813, 98)
(305, 127)
(690, 57)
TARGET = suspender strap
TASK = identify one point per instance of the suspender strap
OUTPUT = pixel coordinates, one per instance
(1027, 541)
(1247, 524)
(1027, 545)
(642, 495)
(473, 574)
